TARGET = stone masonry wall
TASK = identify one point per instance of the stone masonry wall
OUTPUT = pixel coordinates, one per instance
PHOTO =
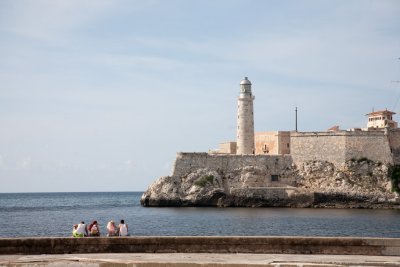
(338, 147)
(318, 146)
(186, 163)
(371, 145)
(334, 147)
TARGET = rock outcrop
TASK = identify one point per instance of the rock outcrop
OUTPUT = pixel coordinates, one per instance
(355, 184)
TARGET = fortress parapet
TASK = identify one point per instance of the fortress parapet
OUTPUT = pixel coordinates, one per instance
(338, 147)
(186, 163)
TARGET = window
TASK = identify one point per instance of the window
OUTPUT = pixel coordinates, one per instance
(288, 145)
(274, 177)
(265, 149)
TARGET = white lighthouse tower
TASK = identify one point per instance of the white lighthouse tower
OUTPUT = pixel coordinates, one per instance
(245, 119)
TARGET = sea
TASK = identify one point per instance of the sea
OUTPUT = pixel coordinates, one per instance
(53, 214)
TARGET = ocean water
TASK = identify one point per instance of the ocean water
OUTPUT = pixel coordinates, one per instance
(53, 214)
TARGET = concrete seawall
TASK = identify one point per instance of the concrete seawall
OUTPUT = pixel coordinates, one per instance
(181, 244)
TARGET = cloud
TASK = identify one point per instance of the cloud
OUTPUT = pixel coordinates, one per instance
(46, 20)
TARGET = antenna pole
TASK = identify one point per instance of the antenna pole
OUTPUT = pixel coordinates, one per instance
(296, 119)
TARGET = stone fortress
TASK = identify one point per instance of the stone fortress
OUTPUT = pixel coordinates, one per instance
(288, 168)
(379, 141)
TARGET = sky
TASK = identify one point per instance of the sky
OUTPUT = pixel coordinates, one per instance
(101, 95)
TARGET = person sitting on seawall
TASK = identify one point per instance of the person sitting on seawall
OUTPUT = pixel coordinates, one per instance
(81, 230)
(74, 234)
(111, 228)
(94, 229)
(123, 229)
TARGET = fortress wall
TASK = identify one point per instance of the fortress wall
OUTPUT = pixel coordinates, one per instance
(334, 147)
(284, 142)
(188, 162)
(337, 147)
(327, 146)
(371, 145)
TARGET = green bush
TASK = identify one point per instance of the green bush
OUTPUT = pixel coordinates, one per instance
(394, 173)
(204, 180)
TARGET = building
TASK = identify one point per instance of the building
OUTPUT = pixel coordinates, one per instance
(381, 119)
(245, 119)
(226, 148)
(272, 143)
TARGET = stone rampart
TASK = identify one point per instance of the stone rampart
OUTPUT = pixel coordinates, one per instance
(338, 147)
(334, 147)
(325, 146)
(189, 162)
(217, 244)
(372, 145)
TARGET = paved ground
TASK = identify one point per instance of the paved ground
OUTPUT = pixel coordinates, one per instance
(197, 260)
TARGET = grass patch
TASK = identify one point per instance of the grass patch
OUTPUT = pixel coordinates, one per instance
(204, 180)
(394, 173)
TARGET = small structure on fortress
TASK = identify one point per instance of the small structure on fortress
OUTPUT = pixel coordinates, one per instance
(381, 119)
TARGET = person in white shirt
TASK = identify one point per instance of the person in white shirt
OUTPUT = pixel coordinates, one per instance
(123, 229)
(81, 230)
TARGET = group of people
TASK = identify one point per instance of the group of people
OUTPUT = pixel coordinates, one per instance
(81, 230)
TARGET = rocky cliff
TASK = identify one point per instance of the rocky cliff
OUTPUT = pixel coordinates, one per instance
(354, 184)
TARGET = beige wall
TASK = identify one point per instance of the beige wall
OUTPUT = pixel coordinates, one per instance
(272, 143)
(284, 143)
(227, 148)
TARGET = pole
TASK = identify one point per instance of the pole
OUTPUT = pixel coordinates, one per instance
(296, 119)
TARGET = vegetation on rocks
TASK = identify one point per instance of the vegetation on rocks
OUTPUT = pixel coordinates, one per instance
(394, 173)
(204, 180)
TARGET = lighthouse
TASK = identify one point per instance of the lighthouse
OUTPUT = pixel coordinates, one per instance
(245, 119)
